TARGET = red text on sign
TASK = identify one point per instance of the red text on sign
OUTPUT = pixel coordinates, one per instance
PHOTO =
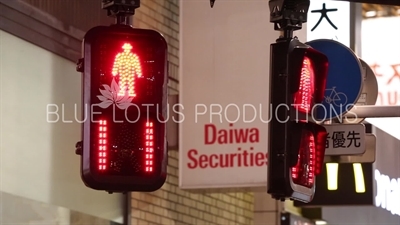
(241, 158)
(228, 136)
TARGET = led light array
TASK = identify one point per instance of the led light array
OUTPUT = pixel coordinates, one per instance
(310, 150)
(303, 98)
(149, 146)
(127, 66)
(102, 149)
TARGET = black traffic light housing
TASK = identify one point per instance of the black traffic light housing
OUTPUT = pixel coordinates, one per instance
(124, 102)
(296, 141)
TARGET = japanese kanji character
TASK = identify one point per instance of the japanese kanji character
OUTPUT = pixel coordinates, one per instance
(354, 139)
(338, 139)
(327, 141)
(324, 14)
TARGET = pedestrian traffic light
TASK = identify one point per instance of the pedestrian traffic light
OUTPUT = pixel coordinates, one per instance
(296, 141)
(124, 145)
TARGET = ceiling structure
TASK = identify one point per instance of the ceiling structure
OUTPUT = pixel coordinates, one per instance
(375, 10)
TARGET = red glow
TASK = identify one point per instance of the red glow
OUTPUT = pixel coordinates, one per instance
(320, 141)
(303, 98)
(149, 159)
(303, 173)
(127, 66)
(102, 147)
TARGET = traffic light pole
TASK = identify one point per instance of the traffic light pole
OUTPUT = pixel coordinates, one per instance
(287, 17)
(120, 9)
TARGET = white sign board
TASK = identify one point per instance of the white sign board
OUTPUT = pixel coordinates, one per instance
(224, 75)
(369, 155)
(329, 19)
(345, 139)
(383, 56)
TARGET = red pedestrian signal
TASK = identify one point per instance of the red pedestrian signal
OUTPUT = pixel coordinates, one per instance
(127, 67)
(296, 141)
(125, 78)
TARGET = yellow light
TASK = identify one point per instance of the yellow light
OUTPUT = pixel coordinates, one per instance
(127, 66)
(332, 174)
(359, 178)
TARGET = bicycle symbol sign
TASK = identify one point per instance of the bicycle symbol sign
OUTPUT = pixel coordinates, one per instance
(336, 98)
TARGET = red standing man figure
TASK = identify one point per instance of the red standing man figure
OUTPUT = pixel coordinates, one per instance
(127, 66)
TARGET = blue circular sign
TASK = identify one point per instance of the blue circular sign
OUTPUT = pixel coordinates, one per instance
(344, 82)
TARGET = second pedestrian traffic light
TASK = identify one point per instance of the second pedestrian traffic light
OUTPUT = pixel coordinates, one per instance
(124, 144)
(296, 141)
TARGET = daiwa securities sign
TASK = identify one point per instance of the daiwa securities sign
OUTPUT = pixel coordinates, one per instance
(224, 70)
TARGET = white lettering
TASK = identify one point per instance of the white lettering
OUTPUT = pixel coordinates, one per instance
(54, 112)
(237, 110)
(245, 114)
(197, 110)
(387, 193)
(215, 113)
(177, 111)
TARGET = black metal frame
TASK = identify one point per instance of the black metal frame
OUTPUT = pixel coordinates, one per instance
(120, 9)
